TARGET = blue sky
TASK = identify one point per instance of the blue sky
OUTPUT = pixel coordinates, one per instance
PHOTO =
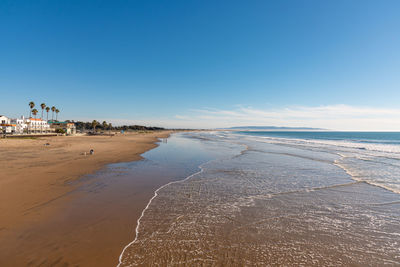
(205, 63)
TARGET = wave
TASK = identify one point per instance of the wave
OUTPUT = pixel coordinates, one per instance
(358, 178)
(361, 145)
(385, 157)
(304, 190)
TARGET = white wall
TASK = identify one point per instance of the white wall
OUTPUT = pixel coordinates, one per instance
(4, 120)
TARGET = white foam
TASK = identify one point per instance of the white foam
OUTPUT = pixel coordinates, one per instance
(389, 148)
(355, 176)
(147, 206)
(348, 149)
(154, 196)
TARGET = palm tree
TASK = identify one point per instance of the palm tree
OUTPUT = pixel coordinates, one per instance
(57, 111)
(53, 108)
(104, 125)
(109, 128)
(43, 105)
(31, 106)
(35, 112)
(94, 124)
(47, 110)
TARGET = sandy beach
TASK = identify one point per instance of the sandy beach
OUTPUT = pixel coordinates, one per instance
(36, 182)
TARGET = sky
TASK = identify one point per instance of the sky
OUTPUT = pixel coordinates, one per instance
(205, 64)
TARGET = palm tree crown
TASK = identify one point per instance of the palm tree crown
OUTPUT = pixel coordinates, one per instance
(34, 112)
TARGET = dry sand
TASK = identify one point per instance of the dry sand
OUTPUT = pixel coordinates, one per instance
(35, 185)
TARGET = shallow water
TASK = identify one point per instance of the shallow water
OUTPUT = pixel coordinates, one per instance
(264, 202)
(97, 218)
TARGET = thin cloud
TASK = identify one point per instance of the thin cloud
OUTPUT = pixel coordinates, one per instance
(337, 117)
(180, 117)
(334, 117)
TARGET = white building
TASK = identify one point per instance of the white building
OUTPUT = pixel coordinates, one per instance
(20, 125)
(37, 125)
(5, 126)
(4, 119)
(24, 125)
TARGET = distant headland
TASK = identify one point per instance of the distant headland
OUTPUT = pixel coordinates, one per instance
(275, 128)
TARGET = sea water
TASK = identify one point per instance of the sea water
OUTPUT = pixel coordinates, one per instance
(277, 198)
(373, 157)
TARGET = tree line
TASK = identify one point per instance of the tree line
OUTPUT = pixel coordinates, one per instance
(33, 111)
(104, 126)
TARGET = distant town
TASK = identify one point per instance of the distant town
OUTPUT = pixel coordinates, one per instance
(35, 125)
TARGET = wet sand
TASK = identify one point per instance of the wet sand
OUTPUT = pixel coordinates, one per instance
(40, 221)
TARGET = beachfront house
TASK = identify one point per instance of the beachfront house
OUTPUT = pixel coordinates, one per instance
(19, 125)
(4, 119)
(63, 127)
(37, 125)
(5, 125)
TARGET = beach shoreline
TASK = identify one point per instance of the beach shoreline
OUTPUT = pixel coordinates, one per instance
(38, 182)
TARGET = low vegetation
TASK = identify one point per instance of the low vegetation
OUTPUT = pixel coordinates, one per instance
(104, 126)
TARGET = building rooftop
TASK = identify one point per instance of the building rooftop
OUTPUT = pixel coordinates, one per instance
(33, 119)
(58, 122)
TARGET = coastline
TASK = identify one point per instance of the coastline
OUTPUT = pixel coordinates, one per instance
(37, 184)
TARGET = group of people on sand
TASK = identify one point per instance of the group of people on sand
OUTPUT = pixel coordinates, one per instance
(91, 152)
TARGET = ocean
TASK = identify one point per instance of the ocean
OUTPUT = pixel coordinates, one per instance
(372, 157)
(274, 198)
